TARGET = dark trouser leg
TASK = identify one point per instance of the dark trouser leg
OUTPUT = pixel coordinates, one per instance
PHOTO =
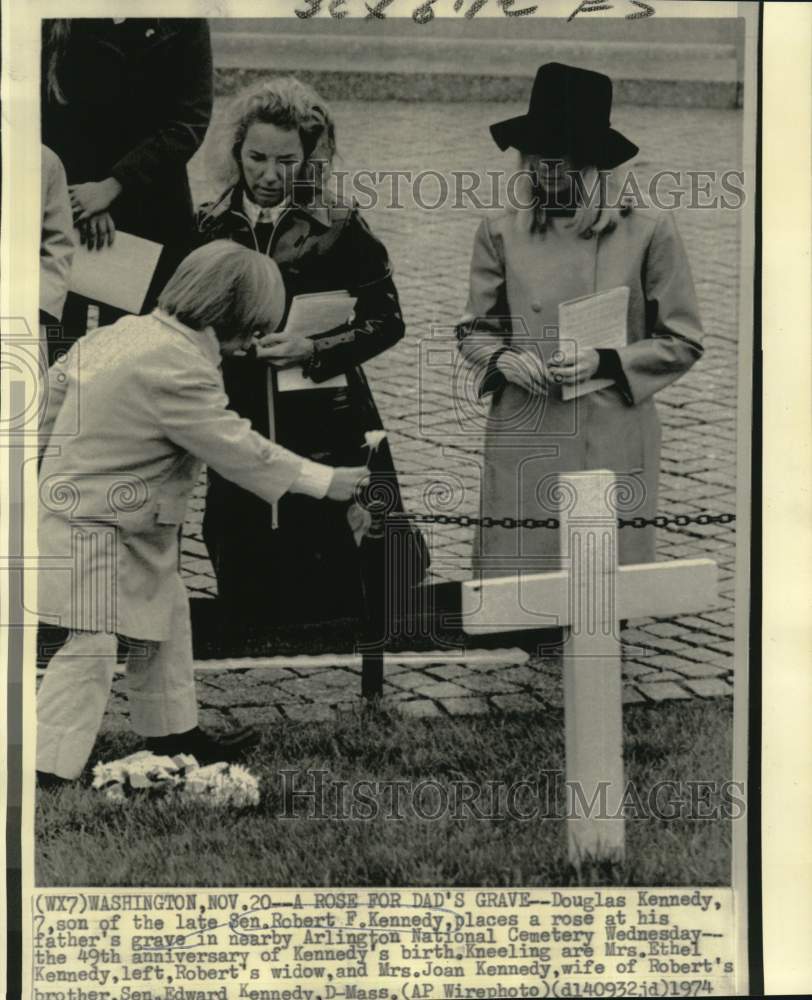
(305, 571)
(62, 336)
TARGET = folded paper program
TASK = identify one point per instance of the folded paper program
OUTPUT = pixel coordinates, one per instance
(310, 315)
(119, 275)
(595, 321)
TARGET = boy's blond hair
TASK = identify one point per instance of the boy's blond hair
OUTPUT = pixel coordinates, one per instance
(223, 285)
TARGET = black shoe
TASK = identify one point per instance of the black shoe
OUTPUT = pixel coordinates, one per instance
(206, 748)
(50, 781)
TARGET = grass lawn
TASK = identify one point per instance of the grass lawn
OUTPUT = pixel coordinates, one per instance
(84, 840)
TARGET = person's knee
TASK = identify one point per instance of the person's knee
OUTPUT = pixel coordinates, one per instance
(82, 645)
(140, 660)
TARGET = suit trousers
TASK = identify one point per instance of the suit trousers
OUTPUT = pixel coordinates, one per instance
(76, 687)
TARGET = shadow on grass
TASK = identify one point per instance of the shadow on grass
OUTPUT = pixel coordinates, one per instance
(322, 822)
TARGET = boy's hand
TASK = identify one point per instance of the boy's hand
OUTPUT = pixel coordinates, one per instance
(283, 350)
(346, 481)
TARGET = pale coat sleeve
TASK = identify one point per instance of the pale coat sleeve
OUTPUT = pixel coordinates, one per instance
(673, 339)
(55, 390)
(191, 408)
(56, 240)
(485, 327)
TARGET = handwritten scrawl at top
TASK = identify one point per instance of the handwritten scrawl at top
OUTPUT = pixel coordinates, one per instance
(422, 14)
(595, 6)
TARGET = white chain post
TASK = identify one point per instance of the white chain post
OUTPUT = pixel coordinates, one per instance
(592, 669)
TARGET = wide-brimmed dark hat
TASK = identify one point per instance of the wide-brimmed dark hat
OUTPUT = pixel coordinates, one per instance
(569, 115)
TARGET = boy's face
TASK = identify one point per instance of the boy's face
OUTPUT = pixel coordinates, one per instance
(235, 345)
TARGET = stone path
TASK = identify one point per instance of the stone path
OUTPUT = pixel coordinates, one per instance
(685, 657)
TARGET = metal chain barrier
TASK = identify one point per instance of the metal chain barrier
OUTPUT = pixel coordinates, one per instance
(467, 521)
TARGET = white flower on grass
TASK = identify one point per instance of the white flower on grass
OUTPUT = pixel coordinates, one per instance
(217, 784)
(116, 770)
(185, 761)
(223, 785)
(246, 785)
(115, 793)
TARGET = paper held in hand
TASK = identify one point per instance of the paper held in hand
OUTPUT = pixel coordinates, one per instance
(119, 275)
(310, 315)
(598, 320)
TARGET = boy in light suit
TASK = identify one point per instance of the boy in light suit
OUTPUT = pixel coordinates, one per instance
(133, 411)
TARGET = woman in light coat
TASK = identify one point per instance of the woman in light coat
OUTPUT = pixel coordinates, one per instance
(565, 242)
(133, 410)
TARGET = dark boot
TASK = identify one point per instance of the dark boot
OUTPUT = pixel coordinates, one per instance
(206, 748)
(49, 781)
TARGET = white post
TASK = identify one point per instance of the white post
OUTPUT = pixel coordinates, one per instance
(592, 673)
(591, 594)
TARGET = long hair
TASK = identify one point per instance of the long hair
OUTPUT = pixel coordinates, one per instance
(283, 101)
(223, 285)
(55, 37)
(593, 213)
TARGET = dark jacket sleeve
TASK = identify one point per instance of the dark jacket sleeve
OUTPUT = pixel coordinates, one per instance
(609, 366)
(187, 112)
(377, 323)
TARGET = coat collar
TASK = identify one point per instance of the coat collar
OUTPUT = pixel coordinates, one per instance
(204, 340)
(258, 215)
(232, 201)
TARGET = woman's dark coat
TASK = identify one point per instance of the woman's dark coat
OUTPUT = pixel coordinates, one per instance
(308, 568)
(139, 100)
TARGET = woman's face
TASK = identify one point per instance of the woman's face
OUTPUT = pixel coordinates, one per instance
(554, 177)
(270, 158)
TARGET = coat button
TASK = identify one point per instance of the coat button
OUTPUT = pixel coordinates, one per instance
(536, 307)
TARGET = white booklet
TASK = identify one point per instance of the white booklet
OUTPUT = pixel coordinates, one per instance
(119, 275)
(599, 320)
(310, 315)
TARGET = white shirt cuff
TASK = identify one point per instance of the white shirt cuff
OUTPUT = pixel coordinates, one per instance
(313, 480)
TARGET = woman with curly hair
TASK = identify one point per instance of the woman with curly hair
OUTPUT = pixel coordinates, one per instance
(271, 155)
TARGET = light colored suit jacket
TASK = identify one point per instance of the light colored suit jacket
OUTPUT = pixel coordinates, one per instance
(132, 412)
(57, 239)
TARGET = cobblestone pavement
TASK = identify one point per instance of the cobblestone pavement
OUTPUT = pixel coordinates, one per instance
(683, 657)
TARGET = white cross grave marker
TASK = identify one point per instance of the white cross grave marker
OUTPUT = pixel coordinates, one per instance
(591, 597)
